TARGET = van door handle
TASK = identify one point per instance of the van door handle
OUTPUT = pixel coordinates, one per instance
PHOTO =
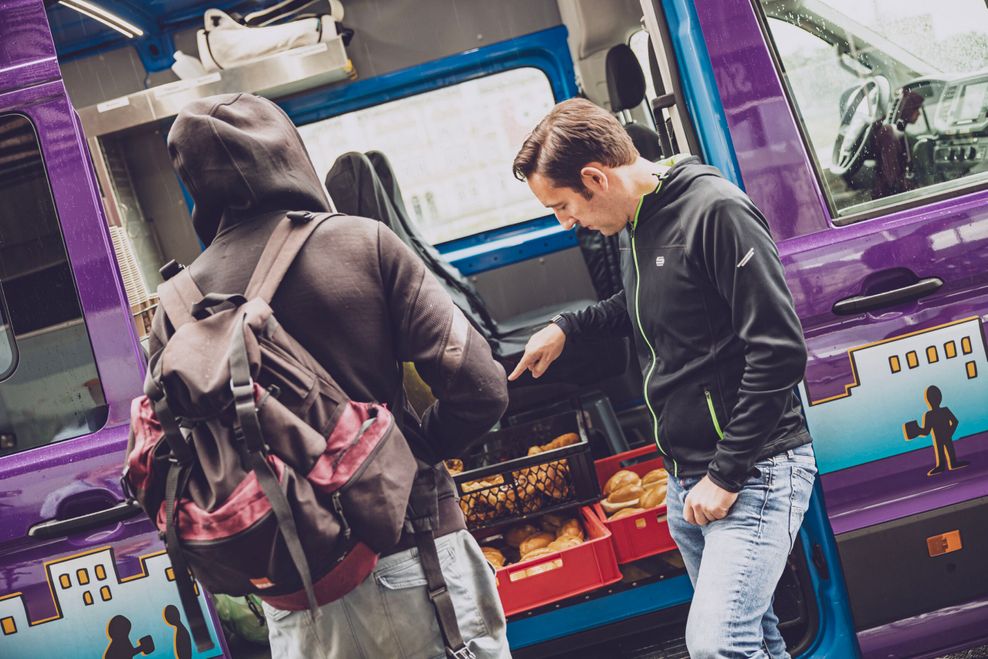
(53, 528)
(861, 303)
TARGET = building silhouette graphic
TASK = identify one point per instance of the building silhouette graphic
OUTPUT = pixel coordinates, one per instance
(97, 613)
(888, 388)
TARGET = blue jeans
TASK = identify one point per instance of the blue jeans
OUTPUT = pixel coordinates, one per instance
(389, 615)
(735, 563)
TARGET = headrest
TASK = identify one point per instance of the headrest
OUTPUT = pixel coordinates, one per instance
(625, 80)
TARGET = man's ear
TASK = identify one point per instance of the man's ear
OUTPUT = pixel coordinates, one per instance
(594, 178)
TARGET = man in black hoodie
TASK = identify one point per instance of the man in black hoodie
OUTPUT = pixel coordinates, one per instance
(361, 303)
(720, 348)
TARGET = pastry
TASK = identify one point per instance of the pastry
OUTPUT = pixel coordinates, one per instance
(564, 542)
(623, 497)
(653, 496)
(570, 527)
(619, 480)
(493, 556)
(517, 534)
(537, 541)
(655, 476)
(626, 512)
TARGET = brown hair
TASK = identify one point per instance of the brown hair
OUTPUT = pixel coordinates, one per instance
(573, 134)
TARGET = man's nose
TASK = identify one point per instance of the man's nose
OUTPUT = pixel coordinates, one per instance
(568, 221)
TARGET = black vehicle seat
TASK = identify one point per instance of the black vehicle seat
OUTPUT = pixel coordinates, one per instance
(365, 185)
(626, 88)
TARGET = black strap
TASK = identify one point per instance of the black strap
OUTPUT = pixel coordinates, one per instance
(177, 479)
(248, 427)
(423, 518)
(280, 251)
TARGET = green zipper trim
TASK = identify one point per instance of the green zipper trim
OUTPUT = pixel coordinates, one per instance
(638, 317)
(713, 414)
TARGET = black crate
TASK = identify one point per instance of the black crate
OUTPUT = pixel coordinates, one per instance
(501, 482)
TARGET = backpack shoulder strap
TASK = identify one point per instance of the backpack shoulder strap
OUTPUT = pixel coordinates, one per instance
(177, 296)
(282, 247)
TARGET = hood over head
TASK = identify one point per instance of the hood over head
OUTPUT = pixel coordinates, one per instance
(240, 155)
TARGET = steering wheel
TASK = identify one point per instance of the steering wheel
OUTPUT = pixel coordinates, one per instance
(860, 110)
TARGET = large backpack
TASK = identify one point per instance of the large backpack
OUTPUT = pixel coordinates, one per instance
(258, 470)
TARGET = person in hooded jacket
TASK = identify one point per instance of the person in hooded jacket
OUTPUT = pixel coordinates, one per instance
(721, 352)
(362, 304)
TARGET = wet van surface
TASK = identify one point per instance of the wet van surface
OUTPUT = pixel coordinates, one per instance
(823, 101)
(80, 573)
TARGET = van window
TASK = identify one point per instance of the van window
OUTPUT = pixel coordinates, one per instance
(49, 386)
(451, 149)
(893, 103)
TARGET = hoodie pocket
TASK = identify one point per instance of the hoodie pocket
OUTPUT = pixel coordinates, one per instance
(688, 424)
(713, 413)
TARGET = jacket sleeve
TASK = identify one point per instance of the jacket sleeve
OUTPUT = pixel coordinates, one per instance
(743, 263)
(450, 355)
(605, 318)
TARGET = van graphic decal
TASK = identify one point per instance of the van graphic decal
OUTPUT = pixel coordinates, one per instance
(939, 423)
(891, 380)
(98, 614)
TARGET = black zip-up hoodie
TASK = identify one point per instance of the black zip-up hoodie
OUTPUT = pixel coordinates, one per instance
(718, 340)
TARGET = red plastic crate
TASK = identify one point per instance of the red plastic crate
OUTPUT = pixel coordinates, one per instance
(644, 534)
(553, 577)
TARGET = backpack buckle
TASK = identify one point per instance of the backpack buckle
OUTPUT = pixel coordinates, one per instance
(462, 653)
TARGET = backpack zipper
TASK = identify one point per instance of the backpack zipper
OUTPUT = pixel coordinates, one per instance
(641, 328)
(713, 413)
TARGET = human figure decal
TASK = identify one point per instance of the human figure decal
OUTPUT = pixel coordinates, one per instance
(183, 640)
(118, 631)
(941, 423)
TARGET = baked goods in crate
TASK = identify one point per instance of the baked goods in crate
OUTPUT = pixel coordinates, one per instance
(523, 469)
(626, 490)
(526, 541)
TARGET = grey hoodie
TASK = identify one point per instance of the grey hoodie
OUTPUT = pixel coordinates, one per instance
(356, 297)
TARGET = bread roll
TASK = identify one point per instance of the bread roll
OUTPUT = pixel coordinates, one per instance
(655, 476)
(517, 534)
(535, 553)
(626, 512)
(619, 480)
(552, 522)
(454, 465)
(537, 541)
(567, 439)
(570, 528)
(623, 497)
(654, 496)
(493, 556)
(564, 542)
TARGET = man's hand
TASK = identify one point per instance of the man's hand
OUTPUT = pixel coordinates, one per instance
(707, 502)
(540, 351)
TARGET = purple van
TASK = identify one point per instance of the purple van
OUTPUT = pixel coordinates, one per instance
(83, 573)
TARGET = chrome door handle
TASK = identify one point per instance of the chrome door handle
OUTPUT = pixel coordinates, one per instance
(862, 303)
(53, 528)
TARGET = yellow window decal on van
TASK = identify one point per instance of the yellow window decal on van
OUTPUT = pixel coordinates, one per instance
(912, 359)
(8, 626)
(105, 594)
(972, 370)
(950, 349)
(931, 355)
(894, 363)
(83, 576)
(966, 345)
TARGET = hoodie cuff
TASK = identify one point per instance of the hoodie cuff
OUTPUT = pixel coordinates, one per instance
(720, 482)
(563, 322)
